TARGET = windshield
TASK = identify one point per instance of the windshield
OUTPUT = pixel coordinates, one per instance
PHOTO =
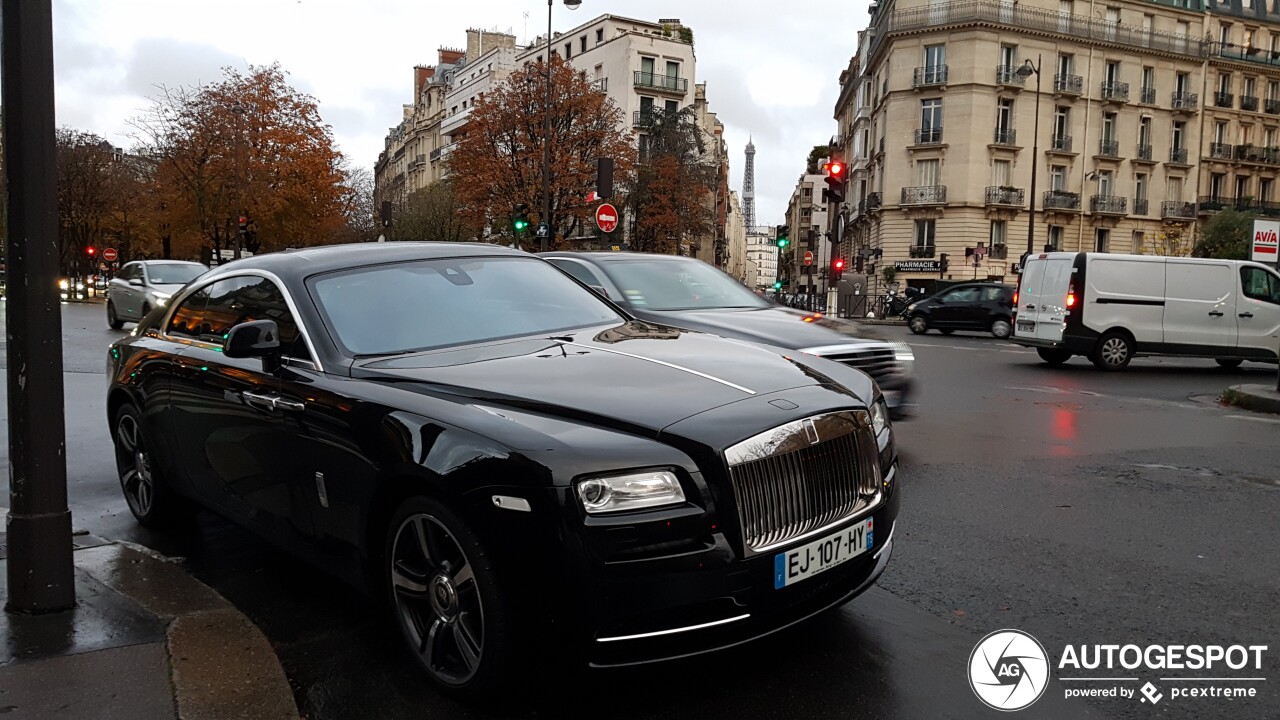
(662, 284)
(174, 273)
(429, 304)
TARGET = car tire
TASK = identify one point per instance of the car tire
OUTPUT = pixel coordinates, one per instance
(1052, 356)
(150, 499)
(447, 599)
(113, 320)
(1229, 363)
(918, 325)
(1001, 329)
(1113, 351)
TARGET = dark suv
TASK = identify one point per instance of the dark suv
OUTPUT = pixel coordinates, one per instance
(983, 306)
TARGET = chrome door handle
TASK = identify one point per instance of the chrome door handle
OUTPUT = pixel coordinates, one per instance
(290, 405)
(1246, 315)
(1215, 313)
(262, 402)
(1031, 307)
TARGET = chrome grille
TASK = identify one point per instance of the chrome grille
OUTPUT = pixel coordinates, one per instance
(803, 477)
(876, 362)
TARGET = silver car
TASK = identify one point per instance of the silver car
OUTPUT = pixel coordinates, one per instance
(141, 286)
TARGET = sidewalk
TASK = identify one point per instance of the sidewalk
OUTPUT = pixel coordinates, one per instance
(146, 641)
(1259, 398)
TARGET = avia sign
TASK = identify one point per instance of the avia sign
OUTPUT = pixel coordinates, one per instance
(1266, 241)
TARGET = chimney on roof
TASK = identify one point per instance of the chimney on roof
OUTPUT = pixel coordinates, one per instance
(421, 76)
(450, 57)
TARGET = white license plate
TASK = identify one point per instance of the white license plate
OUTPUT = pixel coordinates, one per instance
(1026, 325)
(804, 562)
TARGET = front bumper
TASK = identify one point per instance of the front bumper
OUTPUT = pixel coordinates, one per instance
(710, 599)
(898, 393)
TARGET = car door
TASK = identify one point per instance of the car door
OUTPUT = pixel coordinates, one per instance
(124, 296)
(955, 306)
(1258, 312)
(236, 422)
(1199, 306)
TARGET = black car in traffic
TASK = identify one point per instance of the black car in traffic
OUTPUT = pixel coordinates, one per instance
(980, 306)
(518, 467)
(691, 294)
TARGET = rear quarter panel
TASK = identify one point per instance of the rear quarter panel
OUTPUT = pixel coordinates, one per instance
(1119, 278)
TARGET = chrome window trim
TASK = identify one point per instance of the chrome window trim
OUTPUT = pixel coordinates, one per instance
(248, 272)
(672, 631)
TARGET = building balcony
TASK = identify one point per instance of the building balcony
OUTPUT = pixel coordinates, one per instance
(1244, 53)
(1251, 153)
(929, 136)
(1109, 148)
(1185, 102)
(1178, 156)
(1141, 206)
(1142, 153)
(874, 202)
(999, 251)
(924, 251)
(418, 162)
(1148, 95)
(1249, 102)
(1005, 196)
(1008, 75)
(1060, 200)
(1005, 136)
(1271, 106)
(1060, 143)
(925, 195)
(455, 122)
(1068, 84)
(664, 83)
(600, 85)
(1177, 210)
(1220, 151)
(864, 113)
(1108, 205)
(1223, 99)
(640, 118)
(930, 76)
(435, 154)
(1214, 203)
(1117, 92)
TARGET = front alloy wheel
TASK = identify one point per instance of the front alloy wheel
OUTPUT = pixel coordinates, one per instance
(1113, 352)
(918, 325)
(1001, 329)
(134, 465)
(437, 599)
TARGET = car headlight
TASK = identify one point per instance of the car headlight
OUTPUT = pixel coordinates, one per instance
(905, 357)
(634, 491)
(160, 299)
(879, 416)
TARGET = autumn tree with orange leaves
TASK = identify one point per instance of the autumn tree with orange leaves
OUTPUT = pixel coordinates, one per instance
(668, 201)
(498, 162)
(250, 144)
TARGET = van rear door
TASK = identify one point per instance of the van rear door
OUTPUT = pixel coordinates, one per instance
(1042, 302)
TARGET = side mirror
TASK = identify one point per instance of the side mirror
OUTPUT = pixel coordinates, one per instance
(260, 338)
(600, 291)
(135, 281)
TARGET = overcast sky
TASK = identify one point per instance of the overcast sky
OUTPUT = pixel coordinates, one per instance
(771, 67)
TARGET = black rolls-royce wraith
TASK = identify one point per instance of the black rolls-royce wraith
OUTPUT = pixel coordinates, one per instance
(510, 460)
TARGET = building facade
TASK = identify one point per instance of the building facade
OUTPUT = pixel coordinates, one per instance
(1151, 115)
(762, 255)
(807, 220)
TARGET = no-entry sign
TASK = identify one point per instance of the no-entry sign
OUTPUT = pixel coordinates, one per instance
(1266, 241)
(808, 257)
(607, 218)
(110, 255)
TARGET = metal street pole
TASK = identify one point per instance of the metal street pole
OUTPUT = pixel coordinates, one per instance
(1035, 164)
(546, 146)
(39, 524)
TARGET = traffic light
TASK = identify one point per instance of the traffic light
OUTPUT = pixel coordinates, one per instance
(784, 238)
(837, 269)
(244, 224)
(942, 262)
(836, 177)
(777, 285)
(91, 251)
(604, 178)
(520, 218)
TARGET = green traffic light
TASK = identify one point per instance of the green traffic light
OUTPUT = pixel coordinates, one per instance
(777, 285)
(783, 242)
(521, 224)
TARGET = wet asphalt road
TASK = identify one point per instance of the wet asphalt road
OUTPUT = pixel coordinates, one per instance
(1078, 506)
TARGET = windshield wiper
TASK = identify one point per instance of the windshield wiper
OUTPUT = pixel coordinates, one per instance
(389, 353)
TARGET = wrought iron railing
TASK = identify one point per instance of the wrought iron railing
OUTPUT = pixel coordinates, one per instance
(1143, 152)
(1068, 84)
(1249, 102)
(659, 81)
(1110, 204)
(1220, 151)
(1005, 136)
(929, 75)
(1008, 75)
(1178, 155)
(923, 251)
(1115, 91)
(1176, 209)
(1185, 101)
(1061, 143)
(929, 136)
(924, 195)
(1141, 206)
(1109, 148)
(1148, 95)
(1223, 99)
(1060, 200)
(1005, 195)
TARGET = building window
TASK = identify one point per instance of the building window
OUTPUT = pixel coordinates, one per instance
(1175, 189)
(1008, 56)
(1242, 186)
(1144, 132)
(1179, 135)
(1148, 22)
(1273, 90)
(1065, 64)
(1106, 183)
(599, 36)
(582, 44)
(1058, 177)
(1224, 34)
(1139, 240)
(1265, 189)
(1108, 127)
(1056, 233)
(1220, 132)
(1004, 120)
(1113, 71)
(568, 50)
(672, 107)
(1062, 122)
(1250, 87)
(924, 235)
(931, 120)
(999, 233)
(1000, 173)
(1101, 240)
(1148, 81)
(1217, 185)
(1248, 35)
(928, 172)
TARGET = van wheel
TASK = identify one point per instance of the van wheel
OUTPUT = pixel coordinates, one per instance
(1001, 329)
(1052, 356)
(1113, 352)
(1229, 363)
(918, 325)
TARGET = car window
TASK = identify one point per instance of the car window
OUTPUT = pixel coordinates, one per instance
(961, 295)
(671, 284)
(130, 271)
(173, 273)
(577, 270)
(429, 304)
(245, 299)
(186, 319)
(1260, 284)
(991, 293)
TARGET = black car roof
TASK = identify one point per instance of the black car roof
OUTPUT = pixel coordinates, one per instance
(298, 264)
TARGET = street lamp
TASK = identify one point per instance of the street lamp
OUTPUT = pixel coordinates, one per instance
(1028, 69)
(546, 134)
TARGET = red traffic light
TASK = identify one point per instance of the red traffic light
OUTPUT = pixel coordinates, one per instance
(838, 264)
(834, 169)
(91, 250)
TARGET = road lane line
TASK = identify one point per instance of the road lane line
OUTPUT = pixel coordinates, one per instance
(1273, 421)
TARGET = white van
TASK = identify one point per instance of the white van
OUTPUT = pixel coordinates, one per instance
(1112, 308)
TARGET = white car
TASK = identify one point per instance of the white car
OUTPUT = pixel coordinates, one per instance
(1111, 308)
(146, 284)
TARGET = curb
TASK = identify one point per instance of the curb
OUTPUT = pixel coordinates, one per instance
(1259, 398)
(222, 666)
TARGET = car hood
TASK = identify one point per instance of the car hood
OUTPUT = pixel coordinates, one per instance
(638, 376)
(774, 325)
